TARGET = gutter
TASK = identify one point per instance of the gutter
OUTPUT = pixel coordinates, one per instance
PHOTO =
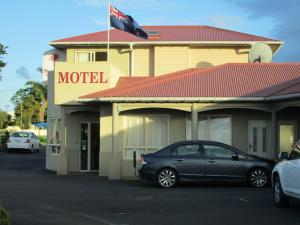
(189, 99)
(171, 99)
(247, 43)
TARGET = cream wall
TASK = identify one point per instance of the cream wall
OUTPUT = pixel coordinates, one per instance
(170, 59)
(143, 61)
(213, 56)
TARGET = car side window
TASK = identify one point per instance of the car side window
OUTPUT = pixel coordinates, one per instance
(214, 151)
(295, 154)
(187, 150)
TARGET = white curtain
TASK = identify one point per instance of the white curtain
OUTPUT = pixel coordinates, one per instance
(157, 129)
(135, 131)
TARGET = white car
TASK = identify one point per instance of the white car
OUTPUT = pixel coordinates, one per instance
(23, 140)
(286, 177)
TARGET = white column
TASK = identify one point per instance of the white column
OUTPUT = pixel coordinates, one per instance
(114, 172)
(194, 122)
(274, 151)
(62, 164)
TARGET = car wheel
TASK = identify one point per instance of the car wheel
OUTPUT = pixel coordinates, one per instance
(281, 200)
(258, 178)
(167, 178)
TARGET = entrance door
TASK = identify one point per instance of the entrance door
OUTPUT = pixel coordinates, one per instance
(287, 135)
(259, 138)
(89, 146)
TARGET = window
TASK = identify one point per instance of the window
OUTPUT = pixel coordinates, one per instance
(54, 136)
(144, 134)
(213, 151)
(185, 150)
(295, 154)
(213, 128)
(21, 134)
(90, 56)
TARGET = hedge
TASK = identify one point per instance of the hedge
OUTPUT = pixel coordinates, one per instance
(4, 216)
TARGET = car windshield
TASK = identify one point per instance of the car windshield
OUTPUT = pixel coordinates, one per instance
(21, 134)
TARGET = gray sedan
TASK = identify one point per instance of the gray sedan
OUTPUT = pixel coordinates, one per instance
(192, 160)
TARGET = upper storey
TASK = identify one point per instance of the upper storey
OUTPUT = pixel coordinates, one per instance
(168, 49)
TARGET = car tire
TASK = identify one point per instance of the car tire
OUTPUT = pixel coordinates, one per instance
(167, 178)
(258, 178)
(280, 199)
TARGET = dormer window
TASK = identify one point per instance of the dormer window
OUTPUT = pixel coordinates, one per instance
(90, 56)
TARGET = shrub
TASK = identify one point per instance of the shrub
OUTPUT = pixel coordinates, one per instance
(4, 216)
(43, 139)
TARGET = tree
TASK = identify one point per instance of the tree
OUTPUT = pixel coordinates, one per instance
(4, 119)
(30, 103)
(2, 63)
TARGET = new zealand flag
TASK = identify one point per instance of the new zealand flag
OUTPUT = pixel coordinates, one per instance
(125, 23)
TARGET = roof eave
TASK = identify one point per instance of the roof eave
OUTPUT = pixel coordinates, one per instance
(242, 43)
(190, 99)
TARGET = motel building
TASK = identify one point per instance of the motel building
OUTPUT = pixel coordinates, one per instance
(184, 82)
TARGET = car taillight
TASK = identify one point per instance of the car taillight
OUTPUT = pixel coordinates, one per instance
(27, 141)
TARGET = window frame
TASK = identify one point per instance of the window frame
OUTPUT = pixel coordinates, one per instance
(54, 148)
(173, 151)
(218, 146)
(92, 55)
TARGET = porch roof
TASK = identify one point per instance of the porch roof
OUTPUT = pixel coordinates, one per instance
(232, 80)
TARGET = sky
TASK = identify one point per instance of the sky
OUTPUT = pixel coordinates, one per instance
(27, 26)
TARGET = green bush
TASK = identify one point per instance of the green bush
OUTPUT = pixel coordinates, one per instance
(43, 139)
(4, 135)
(4, 216)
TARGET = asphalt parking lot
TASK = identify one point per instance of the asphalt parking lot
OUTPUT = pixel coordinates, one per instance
(35, 196)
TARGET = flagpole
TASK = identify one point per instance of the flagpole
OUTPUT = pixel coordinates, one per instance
(108, 28)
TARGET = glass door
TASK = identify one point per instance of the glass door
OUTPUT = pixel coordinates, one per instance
(89, 146)
(287, 135)
(259, 137)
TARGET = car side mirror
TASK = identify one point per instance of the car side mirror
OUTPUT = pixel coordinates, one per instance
(235, 156)
(283, 155)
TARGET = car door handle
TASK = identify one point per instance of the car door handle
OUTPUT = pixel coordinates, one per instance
(211, 161)
(179, 160)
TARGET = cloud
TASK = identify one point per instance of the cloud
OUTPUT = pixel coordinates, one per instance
(224, 21)
(286, 18)
(22, 72)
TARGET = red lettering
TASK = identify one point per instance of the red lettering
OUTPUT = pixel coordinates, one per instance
(93, 77)
(63, 77)
(102, 81)
(83, 75)
(74, 77)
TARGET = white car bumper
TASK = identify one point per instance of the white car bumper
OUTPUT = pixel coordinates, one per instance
(19, 145)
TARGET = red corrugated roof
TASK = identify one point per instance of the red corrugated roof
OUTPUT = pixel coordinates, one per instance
(169, 34)
(227, 80)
